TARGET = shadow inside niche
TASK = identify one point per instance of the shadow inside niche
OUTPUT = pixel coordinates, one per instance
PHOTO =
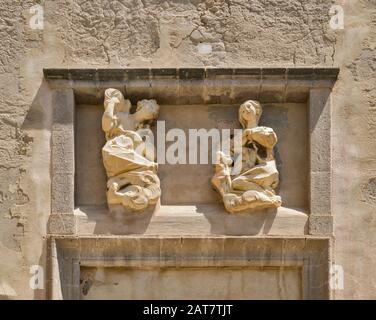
(39, 115)
(100, 221)
(243, 223)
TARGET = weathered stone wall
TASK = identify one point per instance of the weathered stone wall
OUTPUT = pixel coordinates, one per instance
(155, 33)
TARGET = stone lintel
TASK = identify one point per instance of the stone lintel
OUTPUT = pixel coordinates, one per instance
(178, 85)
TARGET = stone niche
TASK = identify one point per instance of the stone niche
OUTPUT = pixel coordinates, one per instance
(283, 253)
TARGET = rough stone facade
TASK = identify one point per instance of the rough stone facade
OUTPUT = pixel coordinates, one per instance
(155, 33)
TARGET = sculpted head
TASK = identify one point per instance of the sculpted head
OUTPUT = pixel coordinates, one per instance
(116, 97)
(147, 110)
(250, 113)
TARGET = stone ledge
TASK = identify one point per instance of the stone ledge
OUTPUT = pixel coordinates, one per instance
(207, 221)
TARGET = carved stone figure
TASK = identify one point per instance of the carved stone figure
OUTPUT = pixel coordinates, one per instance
(128, 156)
(248, 181)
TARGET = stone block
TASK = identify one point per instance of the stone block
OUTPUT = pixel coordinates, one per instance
(320, 225)
(61, 224)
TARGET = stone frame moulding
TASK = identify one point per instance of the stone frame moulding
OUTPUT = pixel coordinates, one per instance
(69, 254)
(71, 87)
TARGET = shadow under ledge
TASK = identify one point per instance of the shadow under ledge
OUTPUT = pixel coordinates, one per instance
(202, 220)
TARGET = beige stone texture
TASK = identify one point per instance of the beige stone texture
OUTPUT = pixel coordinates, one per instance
(155, 33)
(220, 283)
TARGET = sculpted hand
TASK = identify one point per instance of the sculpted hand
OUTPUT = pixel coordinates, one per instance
(247, 136)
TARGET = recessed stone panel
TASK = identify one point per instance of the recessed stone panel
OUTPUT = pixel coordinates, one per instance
(204, 283)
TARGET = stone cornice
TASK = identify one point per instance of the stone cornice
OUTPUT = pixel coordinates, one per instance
(103, 74)
(194, 85)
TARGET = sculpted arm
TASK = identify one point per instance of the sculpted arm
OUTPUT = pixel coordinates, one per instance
(109, 120)
(264, 136)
